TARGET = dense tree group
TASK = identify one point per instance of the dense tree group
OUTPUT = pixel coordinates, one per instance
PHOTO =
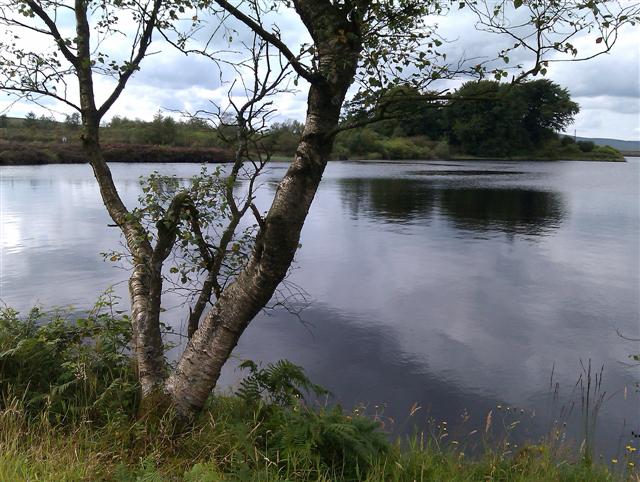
(514, 118)
(484, 118)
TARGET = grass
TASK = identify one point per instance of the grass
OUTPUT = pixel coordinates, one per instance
(68, 405)
(225, 445)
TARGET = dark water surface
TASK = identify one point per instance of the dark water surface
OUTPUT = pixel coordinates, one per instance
(455, 286)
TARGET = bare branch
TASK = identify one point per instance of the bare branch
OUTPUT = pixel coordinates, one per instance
(273, 39)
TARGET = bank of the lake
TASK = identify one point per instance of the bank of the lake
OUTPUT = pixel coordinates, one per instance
(69, 410)
(39, 153)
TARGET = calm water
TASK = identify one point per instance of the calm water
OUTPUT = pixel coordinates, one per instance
(456, 286)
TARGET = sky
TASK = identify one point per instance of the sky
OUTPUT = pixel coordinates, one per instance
(607, 88)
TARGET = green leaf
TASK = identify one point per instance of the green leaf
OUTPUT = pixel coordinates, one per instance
(517, 3)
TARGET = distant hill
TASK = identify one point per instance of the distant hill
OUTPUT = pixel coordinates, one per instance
(615, 143)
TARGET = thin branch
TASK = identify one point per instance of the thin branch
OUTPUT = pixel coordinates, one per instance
(145, 41)
(53, 28)
(274, 40)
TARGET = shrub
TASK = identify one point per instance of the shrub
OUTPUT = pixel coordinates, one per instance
(566, 140)
(281, 383)
(68, 368)
(406, 148)
(586, 146)
(398, 148)
(442, 151)
(359, 141)
(608, 151)
(373, 156)
(290, 430)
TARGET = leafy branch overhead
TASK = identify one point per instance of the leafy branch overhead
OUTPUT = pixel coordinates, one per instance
(549, 30)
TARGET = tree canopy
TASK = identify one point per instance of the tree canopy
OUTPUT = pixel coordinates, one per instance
(485, 118)
(488, 118)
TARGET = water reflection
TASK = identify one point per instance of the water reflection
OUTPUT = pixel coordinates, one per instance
(481, 208)
(392, 199)
(374, 368)
(513, 211)
(371, 362)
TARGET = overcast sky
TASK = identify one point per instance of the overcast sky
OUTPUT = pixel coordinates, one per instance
(607, 87)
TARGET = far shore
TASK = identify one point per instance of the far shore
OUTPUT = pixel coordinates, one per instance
(23, 153)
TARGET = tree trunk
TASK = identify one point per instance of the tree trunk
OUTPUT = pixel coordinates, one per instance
(145, 282)
(339, 43)
(211, 345)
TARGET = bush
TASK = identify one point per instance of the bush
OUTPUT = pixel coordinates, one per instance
(358, 142)
(571, 150)
(68, 368)
(399, 148)
(566, 140)
(608, 151)
(442, 151)
(289, 430)
(586, 146)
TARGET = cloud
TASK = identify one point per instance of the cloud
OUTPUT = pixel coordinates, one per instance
(616, 74)
(171, 69)
(606, 122)
(607, 87)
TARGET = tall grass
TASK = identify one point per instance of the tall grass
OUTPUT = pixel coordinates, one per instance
(264, 432)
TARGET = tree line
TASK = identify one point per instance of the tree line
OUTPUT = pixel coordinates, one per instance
(481, 118)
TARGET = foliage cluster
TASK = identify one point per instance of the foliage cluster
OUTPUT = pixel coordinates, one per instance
(198, 228)
(483, 118)
(162, 130)
(67, 369)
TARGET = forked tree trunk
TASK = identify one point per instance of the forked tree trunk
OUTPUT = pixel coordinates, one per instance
(145, 282)
(199, 368)
(338, 45)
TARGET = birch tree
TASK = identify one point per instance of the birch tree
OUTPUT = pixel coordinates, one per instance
(376, 44)
(372, 43)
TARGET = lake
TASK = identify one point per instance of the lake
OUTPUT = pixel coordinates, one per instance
(450, 288)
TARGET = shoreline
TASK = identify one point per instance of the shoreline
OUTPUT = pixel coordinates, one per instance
(33, 154)
(29, 154)
(486, 159)
(204, 158)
